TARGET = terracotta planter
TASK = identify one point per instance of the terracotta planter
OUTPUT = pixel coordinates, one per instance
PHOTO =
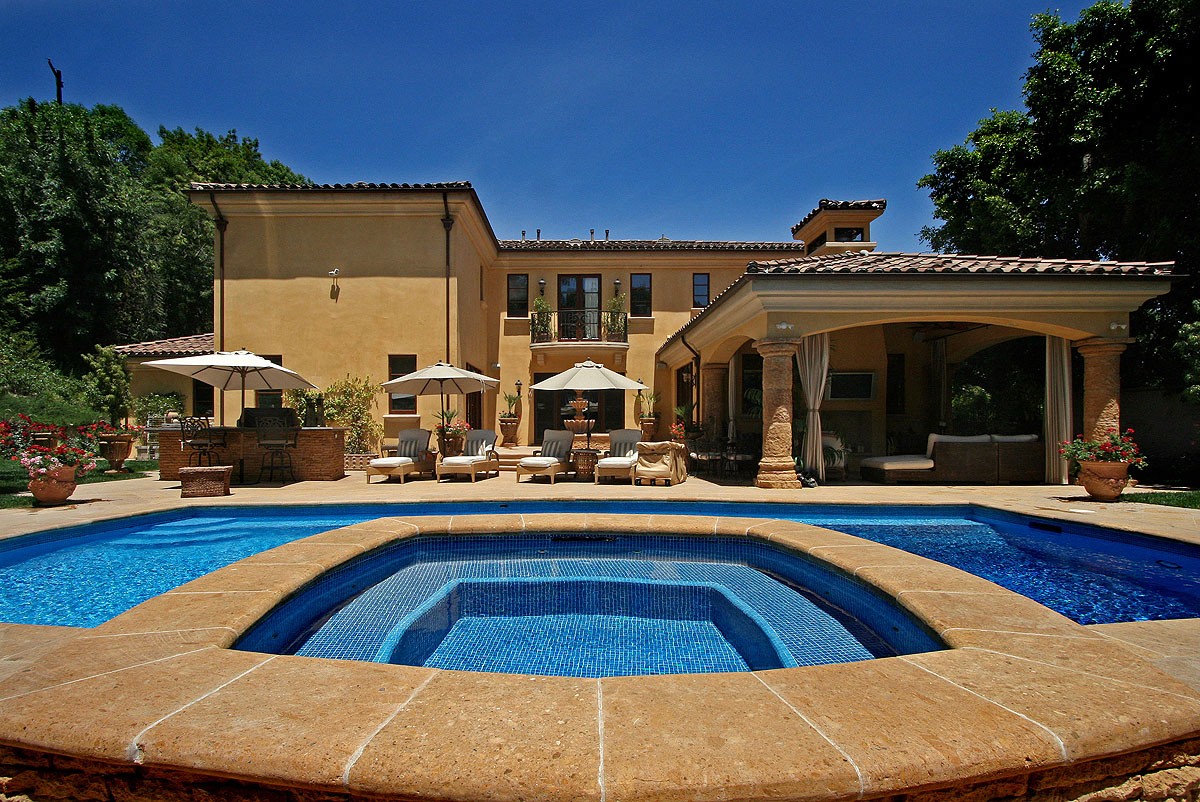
(54, 487)
(508, 431)
(450, 446)
(1104, 481)
(649, 425)
(115, 448)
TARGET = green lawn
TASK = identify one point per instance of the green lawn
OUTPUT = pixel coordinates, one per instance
(1183, 498)
(13, 479)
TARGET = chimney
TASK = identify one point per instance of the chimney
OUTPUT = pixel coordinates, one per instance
(606, 234)
(539, 235)
(522, 235)
(593, 235)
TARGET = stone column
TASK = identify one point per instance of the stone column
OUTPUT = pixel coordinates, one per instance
(714, 390)
(777, 467)
(1101, 384)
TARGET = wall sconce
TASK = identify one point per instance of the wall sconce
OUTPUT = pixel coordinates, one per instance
(783, 325)
(334, 289)
(518, 386)
(1114, 326)
(542, 287)
(616, 287)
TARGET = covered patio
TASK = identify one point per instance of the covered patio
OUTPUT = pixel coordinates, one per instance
(860, 316)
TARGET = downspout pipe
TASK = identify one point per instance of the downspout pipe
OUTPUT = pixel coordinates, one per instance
(695, 378)
(222, 224)
(448, 224)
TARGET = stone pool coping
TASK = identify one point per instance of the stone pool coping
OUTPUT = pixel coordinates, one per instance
(1022, 690)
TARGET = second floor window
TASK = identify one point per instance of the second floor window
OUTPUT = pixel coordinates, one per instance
(398, 365)
(640, 301)
(518, 295)
(699, 289)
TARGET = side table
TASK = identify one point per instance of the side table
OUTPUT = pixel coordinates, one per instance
(585, 462)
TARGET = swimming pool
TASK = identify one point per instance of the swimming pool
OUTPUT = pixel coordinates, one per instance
(84, 576)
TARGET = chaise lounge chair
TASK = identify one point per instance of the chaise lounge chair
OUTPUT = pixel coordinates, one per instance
(479, 454)
(412, 456)
(553, 458)
(656, 462)
(621, 455)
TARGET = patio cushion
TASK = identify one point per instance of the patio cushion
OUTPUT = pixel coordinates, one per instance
(464, 460)
(557, 449)
(617, 462)
(391, 462)
(1014, 438)
(409, 448)
(539, 462)
(903, 462)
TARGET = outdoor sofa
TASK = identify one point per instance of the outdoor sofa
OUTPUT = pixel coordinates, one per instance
(982, 459)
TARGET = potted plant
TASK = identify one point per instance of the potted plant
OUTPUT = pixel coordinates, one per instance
(647, 416)
(106, 387)
(53, 472)
(1104, 463)
(111, 443)
(450, 432)
(539, 322)
(510, 419)
(615, 322)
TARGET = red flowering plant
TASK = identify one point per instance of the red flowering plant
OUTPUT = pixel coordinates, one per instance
(16, 435)
(88, 436)
(41, 460)
(1112, 447)
(678, 431)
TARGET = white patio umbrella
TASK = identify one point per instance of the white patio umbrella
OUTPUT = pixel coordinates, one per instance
(441, 379)
(228, 370)
(588, 375)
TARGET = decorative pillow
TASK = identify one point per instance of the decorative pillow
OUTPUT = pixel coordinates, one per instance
(556, 448)
(410, 448)
(1014, 438)
(955, 438)
(621, 448)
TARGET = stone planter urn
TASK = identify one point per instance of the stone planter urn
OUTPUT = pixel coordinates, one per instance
(116, 448)
(508, 431)
(54, 487)
(1104, 481)
(648, 426)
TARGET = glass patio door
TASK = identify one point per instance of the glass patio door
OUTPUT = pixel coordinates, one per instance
(579, 307)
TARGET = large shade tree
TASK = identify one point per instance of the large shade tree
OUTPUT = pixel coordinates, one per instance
(1103, 163)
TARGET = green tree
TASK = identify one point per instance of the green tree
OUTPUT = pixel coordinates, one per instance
(106, 386)
(75, 269)
(1103, 163)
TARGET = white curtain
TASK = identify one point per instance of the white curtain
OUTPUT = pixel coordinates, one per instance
(1058, 407)
(812, 357)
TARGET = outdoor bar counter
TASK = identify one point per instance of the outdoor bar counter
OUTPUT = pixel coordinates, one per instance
(319, 455)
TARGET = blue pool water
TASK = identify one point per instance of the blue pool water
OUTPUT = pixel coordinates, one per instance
(84, 576)
(630, 604)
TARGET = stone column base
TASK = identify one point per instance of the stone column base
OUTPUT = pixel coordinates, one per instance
(776, 473)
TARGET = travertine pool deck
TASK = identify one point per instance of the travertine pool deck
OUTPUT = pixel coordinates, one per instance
(1026, 704)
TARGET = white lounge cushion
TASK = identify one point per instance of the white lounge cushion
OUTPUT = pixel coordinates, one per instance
(955, 438)
(539, 462)
(902, 462)
(391, 462)
(617, 462)
(1014, 438)
(463, 460)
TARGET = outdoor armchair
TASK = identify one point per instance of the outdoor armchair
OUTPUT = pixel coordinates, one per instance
(621, 455)
(479, 454)
(553, 458)
(666, 462)
(412, 456)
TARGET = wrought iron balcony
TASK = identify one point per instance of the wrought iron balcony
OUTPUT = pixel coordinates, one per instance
(578, 325)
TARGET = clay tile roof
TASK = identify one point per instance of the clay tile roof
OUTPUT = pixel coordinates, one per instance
(176, 346)
(358, 186)
(643, 245)
(825, 204)
(953, 263)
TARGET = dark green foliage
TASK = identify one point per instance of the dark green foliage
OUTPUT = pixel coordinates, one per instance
(106, 385)
(155, 405)
(999, 390)
(46, 410)
(1103, 163)
(24, 371)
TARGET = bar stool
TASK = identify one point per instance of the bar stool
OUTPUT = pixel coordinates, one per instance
(276, 439)
(198, 438)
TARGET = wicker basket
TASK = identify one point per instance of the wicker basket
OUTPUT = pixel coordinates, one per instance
(204, 482)
(359, 462)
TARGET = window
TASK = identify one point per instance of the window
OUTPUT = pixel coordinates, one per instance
(202, 399)
(518, 295)
(398, 365)
(847, 235)
(699, 289)
(752, 376)
(817, 242)
(270, 399)
(850, 386)
(640, 301)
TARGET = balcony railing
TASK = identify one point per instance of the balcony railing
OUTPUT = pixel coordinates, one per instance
(579, 325)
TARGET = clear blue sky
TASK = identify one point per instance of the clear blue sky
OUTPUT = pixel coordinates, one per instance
(692, 119)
